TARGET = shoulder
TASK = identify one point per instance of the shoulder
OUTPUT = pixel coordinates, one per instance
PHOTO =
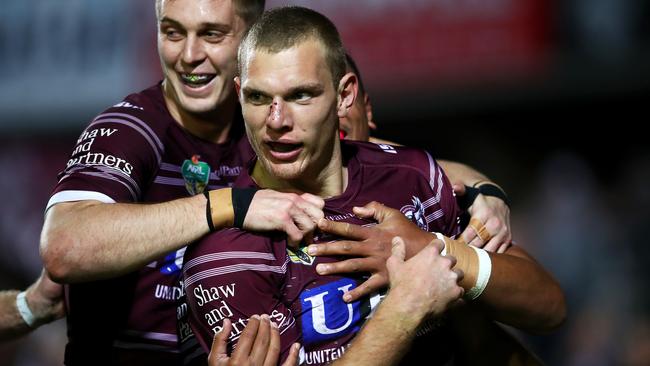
(143, 112)
(382, 156)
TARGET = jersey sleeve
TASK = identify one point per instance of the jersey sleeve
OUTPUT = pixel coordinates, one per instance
(233, 274)
(446, 212)
(113, 158)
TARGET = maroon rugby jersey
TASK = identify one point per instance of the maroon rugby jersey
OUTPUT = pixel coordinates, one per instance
(234, 274)
(136, 152)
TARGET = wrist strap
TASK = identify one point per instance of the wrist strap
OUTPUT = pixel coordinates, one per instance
(208, 211)
(241, 201)
(24, 310)
(486, 189)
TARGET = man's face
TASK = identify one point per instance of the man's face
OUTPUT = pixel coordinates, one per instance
(197, 44)
(290, 107)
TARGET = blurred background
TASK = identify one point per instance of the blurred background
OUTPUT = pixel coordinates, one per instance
(546, 97)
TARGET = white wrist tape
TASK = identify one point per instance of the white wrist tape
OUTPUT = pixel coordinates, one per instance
(24, 310)
(444, 248)
(484, 272)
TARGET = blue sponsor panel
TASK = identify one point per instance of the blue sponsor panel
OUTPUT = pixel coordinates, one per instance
(325, 315)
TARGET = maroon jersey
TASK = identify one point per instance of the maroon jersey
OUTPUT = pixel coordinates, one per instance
(136, 152)
(234, 274)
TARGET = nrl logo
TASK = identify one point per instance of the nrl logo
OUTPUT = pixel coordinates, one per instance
(300, 256)
(196, 175)
(415, 213)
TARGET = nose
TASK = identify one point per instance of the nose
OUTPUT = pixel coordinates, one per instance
(193, 51)
(279, 117)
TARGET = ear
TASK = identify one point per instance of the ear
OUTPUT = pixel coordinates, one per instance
(347, 93)
(237, 86)
(368, 107)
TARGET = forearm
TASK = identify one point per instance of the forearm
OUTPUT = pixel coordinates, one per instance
(459, 173)
(518, 291)
(385, 338)
(522, 294)
(12, 324)
(88, 240)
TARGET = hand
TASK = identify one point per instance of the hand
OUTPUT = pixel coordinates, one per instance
(259, 344)
(294, 214)
(371, 246)
(494, 214)
(45, 299)
(435, 287)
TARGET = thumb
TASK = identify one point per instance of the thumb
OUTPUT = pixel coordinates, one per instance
(219, 348)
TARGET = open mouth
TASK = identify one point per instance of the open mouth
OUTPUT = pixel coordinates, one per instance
(196, 80)
(283, 147)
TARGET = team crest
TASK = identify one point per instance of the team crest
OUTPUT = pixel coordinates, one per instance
(415, 213)
(300, 256)
(196, 175)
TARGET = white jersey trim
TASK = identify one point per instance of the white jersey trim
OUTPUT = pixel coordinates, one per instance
(71, 196)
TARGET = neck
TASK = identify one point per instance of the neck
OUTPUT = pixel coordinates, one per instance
(328, 181)
(213, 126)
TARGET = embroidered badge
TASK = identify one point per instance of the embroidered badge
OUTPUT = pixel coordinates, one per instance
(415, 213)
(300, 256)
(196, 174)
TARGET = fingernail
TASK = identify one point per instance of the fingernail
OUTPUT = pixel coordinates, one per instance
(273, 325)
(312, 250)
(347, 297)
(322, 268)
(255, 316)
(264, 317)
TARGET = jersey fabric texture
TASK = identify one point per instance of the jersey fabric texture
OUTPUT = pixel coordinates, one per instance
(235, 274)
(135, 152)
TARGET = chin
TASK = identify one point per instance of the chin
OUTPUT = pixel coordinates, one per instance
(198, 106)
(285, 172)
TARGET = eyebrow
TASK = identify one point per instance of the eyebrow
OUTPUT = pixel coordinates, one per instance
(203, 25)
(315, 88)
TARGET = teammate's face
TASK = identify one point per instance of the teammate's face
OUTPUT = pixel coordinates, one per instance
(197, 43)
(291, 110)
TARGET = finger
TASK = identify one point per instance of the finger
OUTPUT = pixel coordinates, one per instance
(438, 245)
(292, 359)
(303, 220)
(313, 199)
(502, 249)
(247, 338)
(219, 349)
(399, 248)
(311, 209)
(459, 273)
(273, 354)
(468, 235)
(344, 229)
(262, 340)
(373, 284)
(380, 211)
(364, 212)
(353, 265)
(495, 243)
(343, 247)
(294, 235)
(459, 189)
